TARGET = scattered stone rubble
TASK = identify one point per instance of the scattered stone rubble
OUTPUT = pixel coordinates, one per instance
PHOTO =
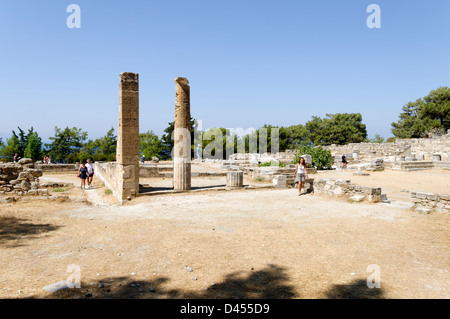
(427, 202)
(21, 179)
(341, 187)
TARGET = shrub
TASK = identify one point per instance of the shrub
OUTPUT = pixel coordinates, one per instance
(321, 159)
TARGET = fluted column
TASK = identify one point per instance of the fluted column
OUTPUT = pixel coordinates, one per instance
(182, 136)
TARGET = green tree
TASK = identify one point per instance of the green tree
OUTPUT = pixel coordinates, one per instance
(430, 114)
(293, 136)
(23, 140)
(377, 139)
(101, 149)
(150, 145)
(34, 147)
(8, 151)
(66, 144)
(409, 124)
(167, 139)
(340, 128)
(107, 145)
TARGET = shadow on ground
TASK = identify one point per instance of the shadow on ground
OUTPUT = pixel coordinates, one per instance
(267, 283)
(14, 230)
(357, 289)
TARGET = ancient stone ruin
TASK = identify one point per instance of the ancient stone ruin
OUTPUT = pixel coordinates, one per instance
(344, 188)
(20, 178)
(427, 202)
(182, 136)
(122, 177)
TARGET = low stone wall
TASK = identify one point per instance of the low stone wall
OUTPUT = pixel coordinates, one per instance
(284, 157)
(20, 179)
(369, 150)
(118, 178)
(147, 170)
(427, 148)
(60, 168)
(344, 188)
(427, 202)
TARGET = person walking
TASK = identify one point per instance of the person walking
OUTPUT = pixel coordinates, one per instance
(301, 174)
(82, 174)
(90, 171)
(344, 162)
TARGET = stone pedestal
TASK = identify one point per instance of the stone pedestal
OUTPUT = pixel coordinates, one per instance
(436, 157)
(182, 136)
(279, 181)
(235, 179)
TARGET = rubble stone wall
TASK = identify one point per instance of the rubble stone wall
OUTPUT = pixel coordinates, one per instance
(431, 201)
(344, 188)
(416, 146)
(20, 178)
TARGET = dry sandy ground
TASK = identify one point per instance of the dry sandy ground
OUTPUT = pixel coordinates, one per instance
(229, 244)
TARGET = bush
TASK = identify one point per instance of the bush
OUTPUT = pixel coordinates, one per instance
(321, 159)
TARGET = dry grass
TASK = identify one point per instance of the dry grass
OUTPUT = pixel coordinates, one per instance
(249, 244)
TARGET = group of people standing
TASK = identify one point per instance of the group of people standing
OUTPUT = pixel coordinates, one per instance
(47, 159)
(86, 172)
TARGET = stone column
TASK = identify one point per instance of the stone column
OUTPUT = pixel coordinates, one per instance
(235, 179)
(128, 133)
(182, 136)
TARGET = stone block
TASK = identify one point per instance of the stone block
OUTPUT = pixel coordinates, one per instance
(279, 181)
(24, 161)
(357, 198)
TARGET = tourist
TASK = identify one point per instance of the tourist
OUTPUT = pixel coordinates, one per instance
(16, 157)
(90, 169)
(49, 159)
(82, 174)
(143, 159)
(300, 174)
(344, 162)
(45, 159)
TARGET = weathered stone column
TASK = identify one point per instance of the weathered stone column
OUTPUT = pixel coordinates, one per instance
(128, 133)
(182, 136)
(235, 179)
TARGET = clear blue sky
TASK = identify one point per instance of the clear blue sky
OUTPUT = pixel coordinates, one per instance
(249, 62)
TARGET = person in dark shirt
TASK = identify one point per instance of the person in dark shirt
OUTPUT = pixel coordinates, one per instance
(82, 174)
(344, 162)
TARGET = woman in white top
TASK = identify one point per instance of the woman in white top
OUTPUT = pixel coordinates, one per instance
(300, 174)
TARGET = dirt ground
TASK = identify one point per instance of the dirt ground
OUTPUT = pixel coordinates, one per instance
(259, 243)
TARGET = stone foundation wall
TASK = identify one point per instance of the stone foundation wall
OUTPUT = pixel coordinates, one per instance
(344, 188)
(118, 178)
(423, 148)
(370, 150)
(283, 157)
(427, 147)
(429, 201)
(20, 179)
